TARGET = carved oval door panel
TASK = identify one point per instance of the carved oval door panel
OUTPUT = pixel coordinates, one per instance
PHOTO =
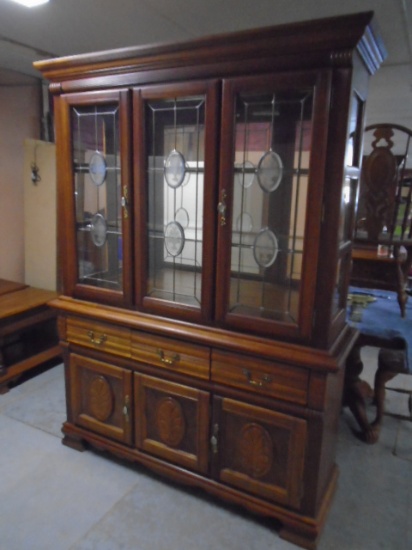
(260, 451)
(172, 421)
(101, 397)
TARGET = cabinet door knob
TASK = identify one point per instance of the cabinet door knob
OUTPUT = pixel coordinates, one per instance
(96, 340)
(168, 360)
(266, 379)
(213, 439)
(125, 202)
(126, 408)
(221, 207)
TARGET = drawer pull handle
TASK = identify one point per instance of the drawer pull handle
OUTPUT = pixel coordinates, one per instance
(266, 379)
(168, 360)
(96, 340)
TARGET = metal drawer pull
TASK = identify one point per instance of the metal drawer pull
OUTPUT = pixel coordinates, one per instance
(96, 340)
(266, 379)
(168, 360)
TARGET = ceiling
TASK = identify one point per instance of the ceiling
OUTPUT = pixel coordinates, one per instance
(64, 27)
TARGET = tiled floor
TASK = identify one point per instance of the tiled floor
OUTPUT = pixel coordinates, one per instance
(54, 498)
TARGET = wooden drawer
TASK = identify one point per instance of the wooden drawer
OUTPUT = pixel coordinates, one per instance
(107, 338)
(266, 377)
(173, 355)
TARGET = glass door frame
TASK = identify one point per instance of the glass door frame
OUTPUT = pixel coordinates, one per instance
(68, 255)
(210, 90)
(320, 82)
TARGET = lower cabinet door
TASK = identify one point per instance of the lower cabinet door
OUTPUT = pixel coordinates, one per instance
(259, 451)
(172, 421)
(101, 397)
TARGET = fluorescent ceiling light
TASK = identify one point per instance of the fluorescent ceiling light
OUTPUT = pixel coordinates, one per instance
(31, 3)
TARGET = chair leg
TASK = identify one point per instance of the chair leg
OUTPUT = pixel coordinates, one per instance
(382, 376)
(390, 363)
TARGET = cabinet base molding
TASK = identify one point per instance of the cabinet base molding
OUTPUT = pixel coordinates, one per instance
(299, 529)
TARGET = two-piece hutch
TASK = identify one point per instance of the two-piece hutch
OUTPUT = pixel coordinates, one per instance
(206, 193)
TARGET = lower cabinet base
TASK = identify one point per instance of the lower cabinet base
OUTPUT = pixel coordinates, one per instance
(297, 528)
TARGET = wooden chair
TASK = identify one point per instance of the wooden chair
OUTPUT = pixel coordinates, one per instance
(382, 254)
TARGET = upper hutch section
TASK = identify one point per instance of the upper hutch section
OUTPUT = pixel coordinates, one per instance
(214, 181)
(309, 44)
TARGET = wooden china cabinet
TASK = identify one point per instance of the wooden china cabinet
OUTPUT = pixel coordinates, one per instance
(206, 193)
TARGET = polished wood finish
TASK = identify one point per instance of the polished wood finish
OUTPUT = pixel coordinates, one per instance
(172, 422)
(101, 397)
(263, 452)
(175, 355)
(99, 336)
(28, 331)
(10, 286)
(265, 377)
(243, 405)
(382, 256)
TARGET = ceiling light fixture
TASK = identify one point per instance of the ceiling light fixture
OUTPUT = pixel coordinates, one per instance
(31, 3)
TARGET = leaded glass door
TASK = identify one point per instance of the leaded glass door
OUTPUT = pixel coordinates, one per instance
(270, 191)
(176, 168)
(98, 195)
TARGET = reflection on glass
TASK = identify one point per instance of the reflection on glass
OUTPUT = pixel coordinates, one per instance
(339, 295)
(346, 206)
(245, 173)
(96, 167)
(272, 133)
(175, 168)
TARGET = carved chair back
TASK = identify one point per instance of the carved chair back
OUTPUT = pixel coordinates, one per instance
(384, 209)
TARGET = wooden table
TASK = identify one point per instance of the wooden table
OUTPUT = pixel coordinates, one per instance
(28, 330)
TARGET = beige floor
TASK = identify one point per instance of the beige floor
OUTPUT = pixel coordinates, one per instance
(54, 498)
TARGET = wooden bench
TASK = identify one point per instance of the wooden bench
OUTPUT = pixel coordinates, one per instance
(28, 330)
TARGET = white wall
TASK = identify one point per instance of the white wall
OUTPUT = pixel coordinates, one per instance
(390, 96)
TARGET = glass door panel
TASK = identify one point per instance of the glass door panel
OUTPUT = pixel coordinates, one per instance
(95, 169)
(175, 177)
(347, 204)
(271, 166)
(179, 161)
(98, 195)
(269, 175)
